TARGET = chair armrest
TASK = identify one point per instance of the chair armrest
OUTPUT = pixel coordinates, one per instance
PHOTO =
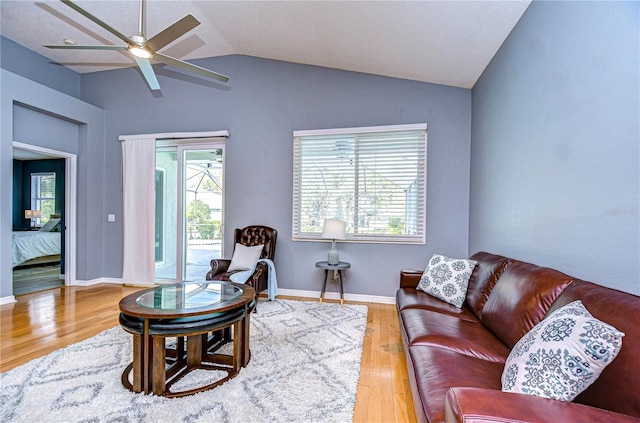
(254, 280)
(261, 268)
(217, 266)
(477, 405)
(410, 278)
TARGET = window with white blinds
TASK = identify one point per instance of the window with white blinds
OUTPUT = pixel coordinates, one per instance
(43, 195)
(373, 178)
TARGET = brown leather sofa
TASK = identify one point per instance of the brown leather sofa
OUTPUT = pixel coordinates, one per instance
(455, 357)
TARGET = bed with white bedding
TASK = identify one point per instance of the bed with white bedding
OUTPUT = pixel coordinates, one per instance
(30, 245)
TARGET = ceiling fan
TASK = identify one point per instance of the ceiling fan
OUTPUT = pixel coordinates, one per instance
(144, 49)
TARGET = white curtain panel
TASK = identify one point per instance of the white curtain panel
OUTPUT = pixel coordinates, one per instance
(139, 164)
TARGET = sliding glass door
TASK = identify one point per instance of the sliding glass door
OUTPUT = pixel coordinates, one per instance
(189, 205)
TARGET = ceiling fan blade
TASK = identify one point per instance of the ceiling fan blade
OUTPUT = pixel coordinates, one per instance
(172, 32)
(96, 20)
(76, 47)
(149, 74)
(189, 67)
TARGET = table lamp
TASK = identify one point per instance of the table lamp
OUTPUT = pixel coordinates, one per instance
(32, 214)
(334, 229)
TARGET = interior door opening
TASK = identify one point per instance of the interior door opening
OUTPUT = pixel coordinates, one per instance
(45, 205)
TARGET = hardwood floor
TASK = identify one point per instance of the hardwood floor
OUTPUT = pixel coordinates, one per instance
(34, 279)
(45, 321)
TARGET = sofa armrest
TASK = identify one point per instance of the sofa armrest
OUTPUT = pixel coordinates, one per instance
(410, 278)
(477, 405)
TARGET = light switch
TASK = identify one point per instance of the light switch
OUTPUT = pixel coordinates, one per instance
(111, 217)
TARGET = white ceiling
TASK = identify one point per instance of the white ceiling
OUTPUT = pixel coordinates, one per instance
(443, 42)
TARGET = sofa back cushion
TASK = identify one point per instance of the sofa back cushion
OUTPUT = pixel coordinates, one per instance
(520, 299)
(484, 277)
(617, 387)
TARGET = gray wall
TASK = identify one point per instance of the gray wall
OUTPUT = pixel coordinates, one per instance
(554, 164)
(37, 68)
(264, 102)
(28, 81)
(34, 114)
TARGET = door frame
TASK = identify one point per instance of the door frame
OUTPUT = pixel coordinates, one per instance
(70, 202)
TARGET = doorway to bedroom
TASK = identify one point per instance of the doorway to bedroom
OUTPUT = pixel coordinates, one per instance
(43, 192)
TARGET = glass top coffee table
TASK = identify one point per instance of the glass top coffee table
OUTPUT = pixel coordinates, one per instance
(201, 316)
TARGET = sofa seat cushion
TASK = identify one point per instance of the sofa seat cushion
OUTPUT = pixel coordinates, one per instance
(412, 298)
(436, 370)
(487, 405)
(426, 327)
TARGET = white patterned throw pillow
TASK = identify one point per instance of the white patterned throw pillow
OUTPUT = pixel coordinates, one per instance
(447, 279)
(562, 355)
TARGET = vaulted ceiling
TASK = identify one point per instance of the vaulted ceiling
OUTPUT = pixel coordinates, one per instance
(442, 42)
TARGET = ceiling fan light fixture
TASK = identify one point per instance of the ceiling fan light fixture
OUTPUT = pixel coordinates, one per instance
(140, 52)
(143, 49)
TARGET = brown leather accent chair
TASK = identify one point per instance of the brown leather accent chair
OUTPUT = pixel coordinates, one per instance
(249, 236)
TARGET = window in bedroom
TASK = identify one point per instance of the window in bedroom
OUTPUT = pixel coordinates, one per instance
(373, 178)
(43, 195)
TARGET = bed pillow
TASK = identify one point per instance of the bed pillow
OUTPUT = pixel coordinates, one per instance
(244, 258)
(447, 279)
(50, 225)
(562, 355)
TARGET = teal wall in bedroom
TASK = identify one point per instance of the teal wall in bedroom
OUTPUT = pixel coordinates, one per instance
(22, 187)
(22, 192)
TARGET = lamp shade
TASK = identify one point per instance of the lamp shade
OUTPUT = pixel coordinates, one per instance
(334, 229)
(32, 214)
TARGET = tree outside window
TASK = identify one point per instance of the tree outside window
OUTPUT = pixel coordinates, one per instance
(43, 195)
(372, 178)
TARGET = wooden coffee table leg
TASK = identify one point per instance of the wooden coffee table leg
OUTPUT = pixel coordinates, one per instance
(194, 351)
(244, 339)
(138, 361)
(238, 351)
(146, 358)
(158, 374)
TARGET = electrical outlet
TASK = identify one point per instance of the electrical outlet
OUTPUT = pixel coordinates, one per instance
(111, 217)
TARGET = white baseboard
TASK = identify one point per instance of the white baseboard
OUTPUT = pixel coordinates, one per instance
(336, 296)
(7, 300)
(96, 281)
(281, 291)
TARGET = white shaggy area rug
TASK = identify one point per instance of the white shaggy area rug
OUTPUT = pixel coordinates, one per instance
(305, 365)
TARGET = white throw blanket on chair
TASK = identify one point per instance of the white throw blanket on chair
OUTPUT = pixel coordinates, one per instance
(272, 281)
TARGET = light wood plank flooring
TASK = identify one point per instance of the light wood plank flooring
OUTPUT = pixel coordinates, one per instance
(34, 279)
(43, 322)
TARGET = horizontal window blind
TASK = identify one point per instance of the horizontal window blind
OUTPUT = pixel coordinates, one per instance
(43, 195)
(372, 178)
